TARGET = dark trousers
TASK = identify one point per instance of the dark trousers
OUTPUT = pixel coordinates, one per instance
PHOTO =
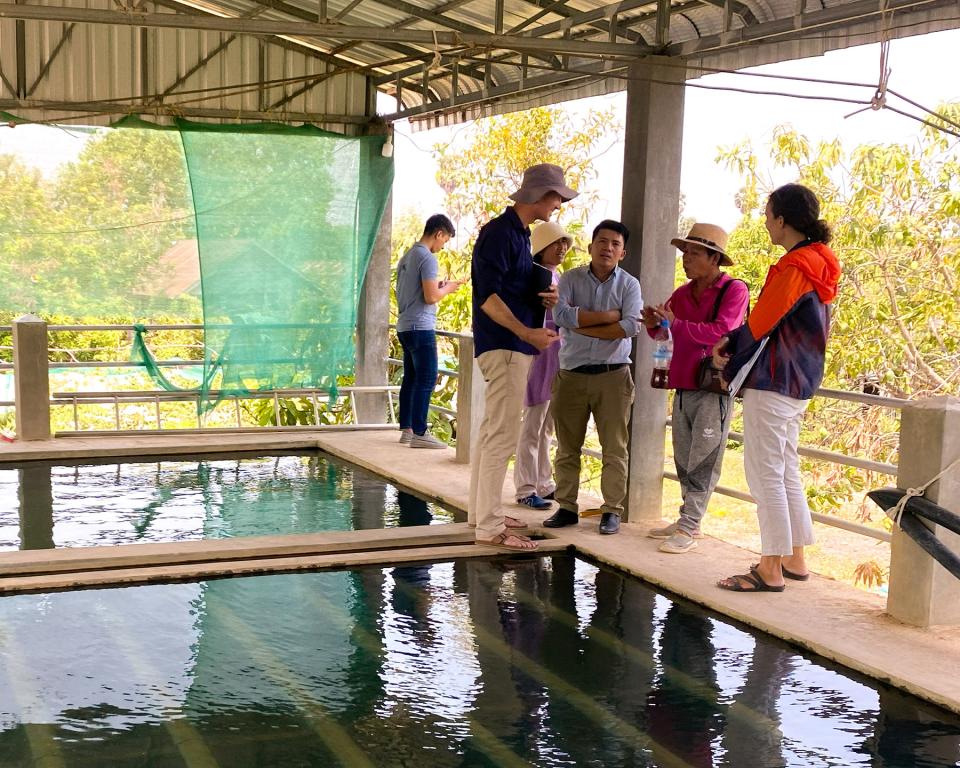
(419, 378)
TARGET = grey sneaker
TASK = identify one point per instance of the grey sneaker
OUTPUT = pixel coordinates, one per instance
(679, 543)
(406, 435)
(668, 530)
(426, 440)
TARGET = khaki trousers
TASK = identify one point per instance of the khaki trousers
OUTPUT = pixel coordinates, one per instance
(608, 398)
(505, 374)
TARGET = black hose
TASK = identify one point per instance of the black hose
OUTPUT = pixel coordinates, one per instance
(915, 508)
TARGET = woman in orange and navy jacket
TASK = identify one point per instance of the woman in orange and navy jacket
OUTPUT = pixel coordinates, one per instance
(793, 314)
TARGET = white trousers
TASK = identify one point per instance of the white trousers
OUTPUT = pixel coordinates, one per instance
(771, 432)
(505, 374)
(532, 472)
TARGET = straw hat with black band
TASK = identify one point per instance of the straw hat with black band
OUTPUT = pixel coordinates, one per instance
(708, 236)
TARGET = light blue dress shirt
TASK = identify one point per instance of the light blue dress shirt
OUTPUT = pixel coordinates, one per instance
(580, 289)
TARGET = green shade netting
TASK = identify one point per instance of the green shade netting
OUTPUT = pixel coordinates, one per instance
(106, 235)
(286, 219)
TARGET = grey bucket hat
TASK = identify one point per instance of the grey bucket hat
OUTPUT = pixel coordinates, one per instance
(540, 179)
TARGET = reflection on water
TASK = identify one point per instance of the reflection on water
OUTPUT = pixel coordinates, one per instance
(545, 662)
(44, 505)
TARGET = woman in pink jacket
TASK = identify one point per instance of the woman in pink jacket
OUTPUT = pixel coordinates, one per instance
(700, 312)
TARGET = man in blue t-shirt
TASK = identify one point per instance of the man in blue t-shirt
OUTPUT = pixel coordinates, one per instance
(418, 292)
(505, 339)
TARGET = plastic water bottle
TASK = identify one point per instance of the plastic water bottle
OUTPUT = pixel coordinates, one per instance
(662, 355)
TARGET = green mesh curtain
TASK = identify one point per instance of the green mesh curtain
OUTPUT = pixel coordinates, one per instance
(286, 221)
(105, 237)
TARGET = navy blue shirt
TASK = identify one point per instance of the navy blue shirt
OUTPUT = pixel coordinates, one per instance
(502, 265)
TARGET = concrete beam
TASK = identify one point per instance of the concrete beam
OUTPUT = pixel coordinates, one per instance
(31, 378)
(373, 326)
(922, 592)
(470, 398)
(651, 208)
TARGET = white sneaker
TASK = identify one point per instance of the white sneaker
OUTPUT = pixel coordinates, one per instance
(406, 435)
(679, 543)
(668, 530)
(426, 440)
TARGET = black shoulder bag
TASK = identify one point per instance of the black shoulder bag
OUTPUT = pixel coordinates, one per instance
(708, 377)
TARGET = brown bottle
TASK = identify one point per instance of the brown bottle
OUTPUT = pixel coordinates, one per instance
(662, 355)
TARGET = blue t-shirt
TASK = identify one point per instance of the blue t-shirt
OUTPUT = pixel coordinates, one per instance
(502, 265)
(418, 264)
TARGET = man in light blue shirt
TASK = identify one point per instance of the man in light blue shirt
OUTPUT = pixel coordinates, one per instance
(598, 312)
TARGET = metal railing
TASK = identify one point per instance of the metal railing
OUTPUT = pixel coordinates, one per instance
(156, 397)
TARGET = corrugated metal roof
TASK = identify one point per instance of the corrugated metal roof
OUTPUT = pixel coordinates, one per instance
(448, 61)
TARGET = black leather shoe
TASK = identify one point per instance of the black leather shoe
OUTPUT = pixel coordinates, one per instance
(610, 522)
(561, 518)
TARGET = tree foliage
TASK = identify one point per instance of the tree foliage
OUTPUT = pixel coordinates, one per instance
(477, 177)
(89, 242)
(895, 213)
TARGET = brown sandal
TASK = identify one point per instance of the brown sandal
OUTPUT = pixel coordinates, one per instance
(513, 523)
(500, 542)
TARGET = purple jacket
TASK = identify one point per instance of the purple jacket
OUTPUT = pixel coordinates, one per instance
(693, 335)
(543, 369)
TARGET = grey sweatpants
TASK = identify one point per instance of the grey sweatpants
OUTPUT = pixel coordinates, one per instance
(701, 422)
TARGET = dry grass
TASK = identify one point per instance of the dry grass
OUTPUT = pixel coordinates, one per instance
(836, 554)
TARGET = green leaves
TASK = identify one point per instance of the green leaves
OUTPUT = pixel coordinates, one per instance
(895, 214)
(479, 175)
(894, 210)
(91, 240)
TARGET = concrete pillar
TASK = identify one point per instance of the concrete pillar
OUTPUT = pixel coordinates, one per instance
(31, 378)
(651, 209)
(922, 592)
(470, 388)
(373, 321)
(36, 507)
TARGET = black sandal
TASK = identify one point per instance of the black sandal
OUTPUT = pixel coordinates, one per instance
(737, 583)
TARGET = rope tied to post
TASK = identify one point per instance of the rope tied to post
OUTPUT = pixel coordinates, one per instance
(895, 513)
(908, 509)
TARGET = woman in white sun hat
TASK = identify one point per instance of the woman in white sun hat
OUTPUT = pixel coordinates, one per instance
(532, 472)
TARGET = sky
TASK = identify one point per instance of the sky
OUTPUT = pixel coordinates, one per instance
(923, 68)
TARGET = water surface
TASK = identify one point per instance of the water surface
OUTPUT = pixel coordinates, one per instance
(544, 661)
(45, 505)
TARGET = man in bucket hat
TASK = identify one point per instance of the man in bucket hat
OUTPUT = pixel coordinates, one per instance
(700, 312)
(505, 341)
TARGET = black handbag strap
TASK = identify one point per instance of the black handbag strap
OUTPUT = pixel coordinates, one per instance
(719, 302)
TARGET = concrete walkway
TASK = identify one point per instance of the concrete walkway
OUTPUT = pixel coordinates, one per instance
(830, 618)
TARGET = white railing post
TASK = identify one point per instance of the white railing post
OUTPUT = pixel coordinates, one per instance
(31, 373)
(922, 592)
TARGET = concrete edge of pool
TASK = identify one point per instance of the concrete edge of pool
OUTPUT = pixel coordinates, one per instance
(832, 619)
